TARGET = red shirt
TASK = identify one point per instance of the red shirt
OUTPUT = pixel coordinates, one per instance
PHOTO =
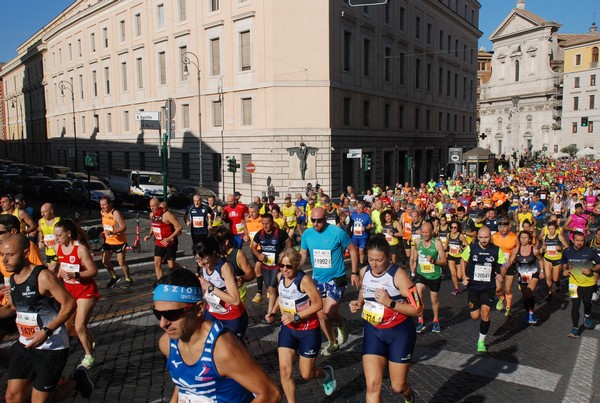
(236, 216)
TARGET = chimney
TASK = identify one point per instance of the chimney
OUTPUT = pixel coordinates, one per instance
(593, 28)
(521, 4)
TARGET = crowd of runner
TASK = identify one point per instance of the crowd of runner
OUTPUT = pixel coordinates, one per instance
(538, 226)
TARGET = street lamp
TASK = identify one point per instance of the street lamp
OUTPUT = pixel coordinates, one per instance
(65, 85)
(14, 103)
(185, 59)
(220, 91)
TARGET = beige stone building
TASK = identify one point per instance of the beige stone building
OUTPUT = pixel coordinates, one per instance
(391, 80)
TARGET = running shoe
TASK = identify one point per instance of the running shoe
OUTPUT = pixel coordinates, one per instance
(549, 296)
(329, 383)
(455, 292)
(500, 304)
(508, 312)
(588, 323)
(342, 332)
(257, 298)
(127, 283)
(268, 295)
(574, 333)
(83, 383)
(436, 327)
(420, 327)
(87, 362)
(113, 281)
(531, 318)
(330, 349)
(412, 397)
(481, 347)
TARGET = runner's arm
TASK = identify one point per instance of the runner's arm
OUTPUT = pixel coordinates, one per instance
(441, 260)
(171, 219)
(163, 345)
(120, 221)
(29, 221)
(244, 264)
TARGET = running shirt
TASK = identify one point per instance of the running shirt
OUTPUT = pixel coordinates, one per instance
(201, 381)
(199, 218)
(236, 215)
(293, 300)
(415, 229)
(426, 269)
(379, 315)
(492, 224)
(254, 225)
(482, 265)
(407, 219)
(326, 251)
(443, 235)
(16, 213)
(455, 245)
(584, 258)
(271, 246)
(388, 231)
(109, 224)
(332, 217)
(160, 229)
(72, 263)
(506, 243)
(527, 265)
(360, 222)
(553, 247)
(48, 235)
(220, 309)
(579, 222)
(34, 311)
(289, 215)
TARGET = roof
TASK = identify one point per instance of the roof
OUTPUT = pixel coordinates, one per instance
(535, 20)
(478, 152)
(565, 40)
(534, 17)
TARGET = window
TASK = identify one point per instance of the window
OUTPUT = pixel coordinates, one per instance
(126, 121)
(592, 101)
(160, 16)
(418, 27)
(593, 80)
(70, 52)
(105, 37)
(245, 51)
(417, 73)
(347, 111)
(590, 126)
(429, 30)
(83, 124)
(440, 120)
(122, 30)
(387, 13)
(455, 122)
(93, 42)
(576, 82)
(182, 10)
(429, 69)
(574, 127)
(185, 116)
(78, 47)
(464, 88)
(347, 48)
(529, 119)
(139, 68)
(109, 122)
(386, 115)
(214, 5)
(106, 81)
(184, 69)
(215, 56)
(465, 53)
(456, 48)
(81, 86)
(402, 68)
(517, 72)
(217, 112)
(216, 167)
(417, 119)
(366, 113)
(94, 84)
(441, 39)
(123, 76)
(575, 103)
(448, 83)
(387, 64)
(138, 25)
(401, 117)
(428, 120)
(594, 57)
(440, 81)
(162, 68)
(402, 18)
(449, 48)
(366, 57)
(246, 111)
(577, 59)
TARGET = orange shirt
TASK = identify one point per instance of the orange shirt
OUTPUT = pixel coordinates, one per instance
(506, 243)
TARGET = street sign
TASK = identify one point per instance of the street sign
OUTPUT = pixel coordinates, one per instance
(150, 124)
(354, 153)
(250, 168)
(455, 155)
(147, 115)
(170, 107)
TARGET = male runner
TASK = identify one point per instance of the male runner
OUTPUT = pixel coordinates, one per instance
(46, 237)
(115, 241)
(165, 229)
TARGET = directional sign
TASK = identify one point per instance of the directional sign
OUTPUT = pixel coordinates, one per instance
(150, 124)
(170, 107)
(354, 153)
(250, 168)
(147, 115)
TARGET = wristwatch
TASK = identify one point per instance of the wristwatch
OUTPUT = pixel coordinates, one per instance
(210, 288)
(393, 304)
(296, 317)
(49, 332)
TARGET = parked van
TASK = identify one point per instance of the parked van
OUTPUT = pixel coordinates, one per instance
(56, 171)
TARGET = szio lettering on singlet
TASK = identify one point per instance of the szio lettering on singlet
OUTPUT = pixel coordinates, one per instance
(27, 323)
(373, 312)
(482, 272)
(322, 258)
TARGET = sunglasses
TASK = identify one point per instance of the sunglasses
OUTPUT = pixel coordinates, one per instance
(502, 223)
(287, 266)
(454, 226)
(173, 314)
(317, 220)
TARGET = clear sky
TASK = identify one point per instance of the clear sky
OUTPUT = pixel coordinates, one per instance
(23, 18)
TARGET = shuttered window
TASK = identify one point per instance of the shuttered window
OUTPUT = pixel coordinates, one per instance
(246, 60)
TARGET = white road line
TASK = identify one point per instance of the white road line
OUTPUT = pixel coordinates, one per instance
(581, 383)
(491, 368)
(119, 318)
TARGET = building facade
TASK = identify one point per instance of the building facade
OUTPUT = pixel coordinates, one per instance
(288, 86)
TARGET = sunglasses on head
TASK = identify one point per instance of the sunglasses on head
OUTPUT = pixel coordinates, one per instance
(317, 220)
(173, 314)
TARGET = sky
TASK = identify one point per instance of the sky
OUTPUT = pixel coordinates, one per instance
(22, 18)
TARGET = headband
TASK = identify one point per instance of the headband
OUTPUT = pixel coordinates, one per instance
(175, 293)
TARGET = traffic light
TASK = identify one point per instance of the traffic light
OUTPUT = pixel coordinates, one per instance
(231, 165)
(410, 163)
(367, 162)
(584, 121)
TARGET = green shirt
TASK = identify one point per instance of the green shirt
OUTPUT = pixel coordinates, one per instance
(426, 269)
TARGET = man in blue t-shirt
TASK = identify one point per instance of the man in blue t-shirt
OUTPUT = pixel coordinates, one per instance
(538, 209)
(326, 244)
(360, 224)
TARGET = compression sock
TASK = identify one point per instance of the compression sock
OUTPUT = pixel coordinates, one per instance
(483, 329)
(259, 284)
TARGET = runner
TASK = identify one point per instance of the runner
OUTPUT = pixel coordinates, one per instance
(360, 224)
(581, 262)
(115, 241)
(483, 260)
(219, 285)
(387, 298)
(42, 306)
(46, 237)
(165, 228)
(326, 245)
(506, 240)
(577, 222)
(253, 227)
(198, 217)
(235, 214)
(28, 226)
(467, 225)
(528, 260)
(553, 245)
(457, 242)
(392, 232)
(426, 258)
(299, 301)
(77, 270)
(205, 360)
(290, 213)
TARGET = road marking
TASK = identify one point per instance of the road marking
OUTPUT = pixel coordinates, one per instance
(481, 365)
(581, 382)
(125, 317)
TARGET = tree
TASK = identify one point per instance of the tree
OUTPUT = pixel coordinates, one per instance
(570, 149)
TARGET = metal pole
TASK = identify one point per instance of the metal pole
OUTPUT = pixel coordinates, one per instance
(164, 164)
(185, 59)
(66, 85)
(221, 100)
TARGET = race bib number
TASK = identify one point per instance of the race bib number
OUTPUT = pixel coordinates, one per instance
(552, 250)
(70, 267)
(290, 219)
(482, 273)
(557, 211)
(198, 222)
(157, 233)
(506, 256)
(331, 221)
(239, 227)
(358, 229)
(454, 249)
(7, 281)
(27, 323)
(425, 265)
(107, 227)
(444, 240)
(269, 259)
(389, 238)
(322, 259)
(50, 241)
(373, 312)
(526, 276)
(287, 306)
(214, 303)
(185, 398)
(416, 238)
(573, 291)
